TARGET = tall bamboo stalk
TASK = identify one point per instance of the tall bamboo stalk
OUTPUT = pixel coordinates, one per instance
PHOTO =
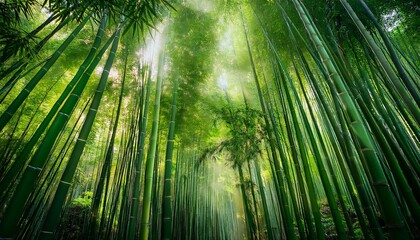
(12, 173)
(60, 195)
(167, 187)
(389, 206)
(151, 154)
(7, 115)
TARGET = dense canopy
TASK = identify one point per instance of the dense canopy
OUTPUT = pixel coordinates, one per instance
(209, 119)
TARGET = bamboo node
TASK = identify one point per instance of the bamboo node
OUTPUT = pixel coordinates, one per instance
(34, 168)
(64, 114)
(366, 149)
(325, 60)
(381, 183)
(331, 74)
(66, 183)
(354, 122)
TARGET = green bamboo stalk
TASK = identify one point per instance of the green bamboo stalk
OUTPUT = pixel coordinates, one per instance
(393, 162)
(414, 110)
(401, 144)
(54, 212)
(281, 192)
(338, 221)
(8, 153)
(287, 170)
(338, 134)
(254, 201)
(289, 180)
(135, 200)
(106, 167)
(22, 63)
(299, 148)
(250, 224)
(389, 206)
(11, 175)
(408, 84)
(167, 187)
(8, 114)
(37, 162)
(13, 212)
(346, 142)
(328, 161)
(310, 228)
(6, 149)
(147, 197)
(155, 205)
(264, 201)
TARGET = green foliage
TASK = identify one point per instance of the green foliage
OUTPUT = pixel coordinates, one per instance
(313, 118)
(192, 43)
(244, 138)
(246, 133)
(84, 201)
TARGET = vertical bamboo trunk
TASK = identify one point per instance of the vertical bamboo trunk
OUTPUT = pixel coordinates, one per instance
(13, 212)
(285, 163)
(147, 197)
(249, 219)
(325, 152)
(389, 206)
(402, 91)
(264, 201)
(338, 221)
(167, 187)
(60, 195)
(31, 173)
(12, 173)
(345, 144)
(135, 201)
(281, 193)
(106, 168)
(299, 147)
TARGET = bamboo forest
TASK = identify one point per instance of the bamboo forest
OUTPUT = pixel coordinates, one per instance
(209, 119)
